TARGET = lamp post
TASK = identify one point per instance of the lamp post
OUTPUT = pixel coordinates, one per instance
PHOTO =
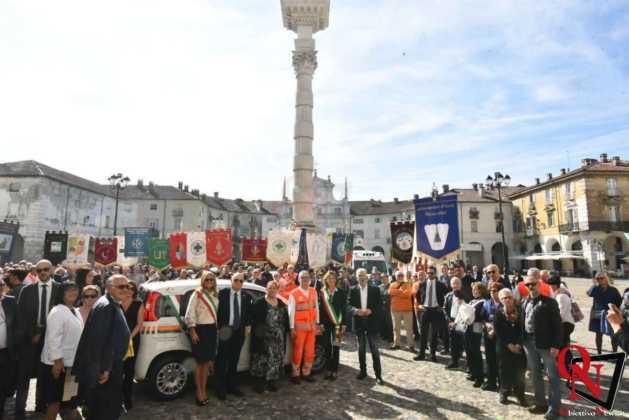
(498, 181)
(118, 182)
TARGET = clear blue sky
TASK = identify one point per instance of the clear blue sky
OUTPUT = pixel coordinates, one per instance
(407, 93)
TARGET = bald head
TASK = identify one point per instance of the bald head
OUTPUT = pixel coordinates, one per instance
(43, 269)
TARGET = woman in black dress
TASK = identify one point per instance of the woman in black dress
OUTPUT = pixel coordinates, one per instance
(509, 328)
(268, 344)
(332, 302)
(201, 316)
(134, 313)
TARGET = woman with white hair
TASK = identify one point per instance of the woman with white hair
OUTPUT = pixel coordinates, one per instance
(509, 328)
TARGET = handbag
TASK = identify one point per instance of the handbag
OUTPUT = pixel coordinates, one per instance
(576, 312)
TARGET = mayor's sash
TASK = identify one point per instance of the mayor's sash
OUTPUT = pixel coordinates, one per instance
(335, 317)
(209, 303)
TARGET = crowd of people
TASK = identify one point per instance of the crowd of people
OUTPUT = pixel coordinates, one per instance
(78, 330)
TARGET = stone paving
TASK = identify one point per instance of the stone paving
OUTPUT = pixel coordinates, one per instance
(413, 390)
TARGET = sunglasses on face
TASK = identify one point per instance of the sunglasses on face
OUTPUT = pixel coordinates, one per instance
(89, 296)
(123, 287)
(491, 272)
(237, 280)
(531, 285)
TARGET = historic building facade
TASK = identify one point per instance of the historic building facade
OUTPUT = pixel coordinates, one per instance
(577, 221)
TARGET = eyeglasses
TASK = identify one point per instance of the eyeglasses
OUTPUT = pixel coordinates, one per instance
(531, 285)
(122, 287)
(237, 280)
(90, 296)
(491, 272)
(43, 270)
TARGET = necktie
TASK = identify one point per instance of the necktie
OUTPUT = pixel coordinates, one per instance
(236, 312)
(42, 305)
(429, 294)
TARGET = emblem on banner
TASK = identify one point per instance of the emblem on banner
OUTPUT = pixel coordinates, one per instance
(437, 235)
(198, 248)
(404, 241)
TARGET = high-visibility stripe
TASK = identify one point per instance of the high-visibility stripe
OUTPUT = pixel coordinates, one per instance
(305, 307)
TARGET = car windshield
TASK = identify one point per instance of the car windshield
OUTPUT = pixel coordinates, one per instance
(368, 265)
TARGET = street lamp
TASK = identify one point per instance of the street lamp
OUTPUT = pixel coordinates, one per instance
(498, 181)
(118, 182)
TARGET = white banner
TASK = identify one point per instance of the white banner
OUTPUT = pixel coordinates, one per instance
(317, 245)
(122, 260)
(78, 248)
(280, 246)
(197, 254)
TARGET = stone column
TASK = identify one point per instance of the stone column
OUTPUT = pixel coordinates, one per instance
(305, 17)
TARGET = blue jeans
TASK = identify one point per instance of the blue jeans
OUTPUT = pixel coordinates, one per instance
(533, 356)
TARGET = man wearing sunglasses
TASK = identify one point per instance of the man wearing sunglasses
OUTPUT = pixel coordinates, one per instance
(542, 341)
(99, 357)
(34, 303)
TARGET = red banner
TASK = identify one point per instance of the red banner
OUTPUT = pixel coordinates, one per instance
(254, 250)
(218, 244)
(177, 249)
(106, 250)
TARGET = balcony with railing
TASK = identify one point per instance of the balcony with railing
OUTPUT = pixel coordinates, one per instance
(594, 226)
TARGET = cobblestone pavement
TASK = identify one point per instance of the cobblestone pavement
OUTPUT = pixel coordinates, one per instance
(413, 390)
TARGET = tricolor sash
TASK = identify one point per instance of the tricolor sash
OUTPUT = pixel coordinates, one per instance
(209, 303)
(329, 307)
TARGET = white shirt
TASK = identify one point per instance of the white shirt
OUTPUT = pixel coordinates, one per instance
(232, 292)
(363, 296)
(3, 327)
(431, 288)
(40, 288)
(197, 311)
(454, 310)
(565, 307)
(63, 332)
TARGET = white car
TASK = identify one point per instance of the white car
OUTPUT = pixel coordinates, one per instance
(164, 360)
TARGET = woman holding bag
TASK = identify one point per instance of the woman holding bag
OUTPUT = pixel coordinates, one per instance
(201, 321)
(603, 294)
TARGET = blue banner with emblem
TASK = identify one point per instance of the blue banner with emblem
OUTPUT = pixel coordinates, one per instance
(338, 247)
(437, 227)
(136, 242)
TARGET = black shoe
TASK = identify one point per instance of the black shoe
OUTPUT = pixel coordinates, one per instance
(478, 383)
(452, 366)
(489, 387)
(333, 378)
(20, 415)
(295, 380)
(309, 378)
(329, 376)
(444, 353)
(236, 392)
(433, 357)
(470, 378)
(419, 357)
(412, 349)
(221, 396)
(128, 405)
(522, 401)
(503, 399)
(379, 381)
(538, 409)
(361, 376)
(259, 387)
(271, 386)
(394, 347)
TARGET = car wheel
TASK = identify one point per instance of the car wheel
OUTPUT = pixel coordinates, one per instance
(320, 358)
(168, 377)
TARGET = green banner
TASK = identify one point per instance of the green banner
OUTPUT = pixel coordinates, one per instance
(158, 253)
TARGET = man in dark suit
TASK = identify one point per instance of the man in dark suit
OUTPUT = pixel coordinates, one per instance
(430, 298)
(366, 305)
(99, 357)
(34, 302)
(234, 323)
(8, 311)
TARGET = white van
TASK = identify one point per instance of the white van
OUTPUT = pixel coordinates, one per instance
(368, 260)
(164, 360)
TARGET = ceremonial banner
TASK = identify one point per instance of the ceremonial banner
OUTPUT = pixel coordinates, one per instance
(280, 243)
(316, 244)
(303, 262)
(8, 232)
(254, 250)
(136, 242)
(402, 234)
(158, 253)
(123, 260)
(78, 249)
(56, 247)
(197, 254)
(337, 253)
(349, 248)
(219, 246)
(177, 250)
(437, 227)
(106, 250)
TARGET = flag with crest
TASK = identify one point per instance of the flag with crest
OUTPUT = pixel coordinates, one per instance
(254, 250)
(158, 253)
(106, 250)
(177, 249)
(218, 246)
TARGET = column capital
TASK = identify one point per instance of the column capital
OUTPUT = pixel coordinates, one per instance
(304, 61)
(313, 13)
